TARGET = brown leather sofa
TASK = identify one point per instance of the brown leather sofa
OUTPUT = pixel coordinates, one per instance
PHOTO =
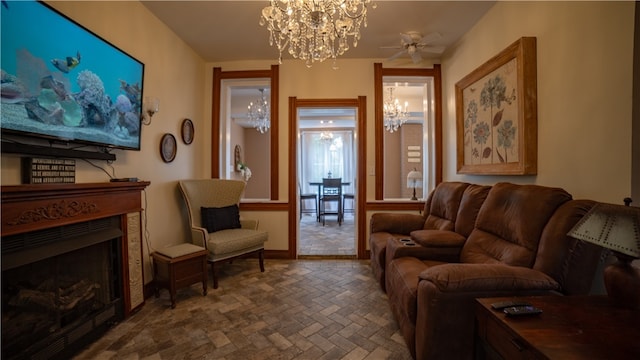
(448, 202)
(517, 246)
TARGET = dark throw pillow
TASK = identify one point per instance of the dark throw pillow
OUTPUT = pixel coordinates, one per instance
(216, 219)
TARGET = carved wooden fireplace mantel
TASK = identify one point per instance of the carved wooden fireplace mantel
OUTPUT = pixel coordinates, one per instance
(27, 208)
(35, 207)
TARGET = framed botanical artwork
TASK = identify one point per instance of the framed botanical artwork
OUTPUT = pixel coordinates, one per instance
(497, 114)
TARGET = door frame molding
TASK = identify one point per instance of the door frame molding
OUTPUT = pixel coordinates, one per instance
(360, 104)
(379, 73)
(273, 74)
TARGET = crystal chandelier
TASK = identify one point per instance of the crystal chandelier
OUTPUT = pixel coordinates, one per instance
(314, 30)
(259, 114)
(326, 136)
(394, 114)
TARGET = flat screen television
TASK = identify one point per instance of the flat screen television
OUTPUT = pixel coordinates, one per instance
(64, 83)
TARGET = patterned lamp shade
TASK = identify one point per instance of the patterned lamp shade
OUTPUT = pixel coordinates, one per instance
(615, 227)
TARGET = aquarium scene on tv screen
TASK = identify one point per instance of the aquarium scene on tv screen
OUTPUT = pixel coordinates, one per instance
(61, 81)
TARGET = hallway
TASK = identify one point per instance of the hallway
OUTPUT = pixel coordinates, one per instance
(331, 240)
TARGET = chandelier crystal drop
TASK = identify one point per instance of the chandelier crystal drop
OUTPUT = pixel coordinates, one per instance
(259, 113)
(314, 30)
(394, 114)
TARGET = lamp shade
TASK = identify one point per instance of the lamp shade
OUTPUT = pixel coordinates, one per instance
(615, 227)
(414, 179)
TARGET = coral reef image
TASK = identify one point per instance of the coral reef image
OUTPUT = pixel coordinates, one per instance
(91, 94)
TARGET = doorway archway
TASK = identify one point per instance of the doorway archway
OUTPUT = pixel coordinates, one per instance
(360, 105)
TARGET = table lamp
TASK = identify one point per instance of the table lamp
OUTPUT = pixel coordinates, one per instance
(414, 180)
(617, 228)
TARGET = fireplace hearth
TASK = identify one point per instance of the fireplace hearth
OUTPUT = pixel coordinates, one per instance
(69, 269)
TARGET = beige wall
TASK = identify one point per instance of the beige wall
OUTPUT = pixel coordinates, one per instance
(584, 102)
(257, 157)
(584, 91)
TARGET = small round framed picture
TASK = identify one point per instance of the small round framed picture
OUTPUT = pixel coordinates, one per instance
(168, 147)
(187, 131)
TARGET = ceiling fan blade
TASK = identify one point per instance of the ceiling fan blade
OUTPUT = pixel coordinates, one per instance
(434, 49)
(406, 38)
(396, 55)
(416, 57)
(391, 47)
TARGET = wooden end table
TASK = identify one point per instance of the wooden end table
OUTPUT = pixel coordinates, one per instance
(179, 266)
(570, 327)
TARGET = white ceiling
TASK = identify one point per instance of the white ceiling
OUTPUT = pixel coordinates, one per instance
(229, 30)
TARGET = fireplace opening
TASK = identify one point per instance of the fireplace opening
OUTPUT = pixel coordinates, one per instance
(61, 288)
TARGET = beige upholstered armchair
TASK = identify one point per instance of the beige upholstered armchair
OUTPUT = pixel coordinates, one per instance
(212, 205)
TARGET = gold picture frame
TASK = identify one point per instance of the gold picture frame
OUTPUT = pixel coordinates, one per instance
(497, 114)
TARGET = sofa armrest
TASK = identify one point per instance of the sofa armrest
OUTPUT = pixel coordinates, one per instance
(199, 236)
(467, 278)
(395, 223)
(250, 224)
(438, 238)
(397, 249)
(433, 245)
(446, 303)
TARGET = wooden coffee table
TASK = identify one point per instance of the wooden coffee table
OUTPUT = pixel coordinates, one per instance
(570, 327)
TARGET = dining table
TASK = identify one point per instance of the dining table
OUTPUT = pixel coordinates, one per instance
(319, 185)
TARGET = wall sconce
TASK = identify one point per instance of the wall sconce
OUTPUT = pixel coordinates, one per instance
(414, 180)
(151, 106)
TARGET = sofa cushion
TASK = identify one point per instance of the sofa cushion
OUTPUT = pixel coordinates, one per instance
(510, 223)
(470, 204)
(220, 218)
(179, 250)
(444, 204)
(232, 240)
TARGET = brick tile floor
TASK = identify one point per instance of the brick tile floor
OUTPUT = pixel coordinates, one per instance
(296, 309)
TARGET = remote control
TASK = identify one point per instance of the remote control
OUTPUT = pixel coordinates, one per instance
(505, 304)
(522, 310)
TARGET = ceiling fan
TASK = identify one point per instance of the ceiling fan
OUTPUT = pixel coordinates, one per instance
(414, 44)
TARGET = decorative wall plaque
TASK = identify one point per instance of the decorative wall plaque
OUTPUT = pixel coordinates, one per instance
(168, 147)
(48, 171)
(187, 131)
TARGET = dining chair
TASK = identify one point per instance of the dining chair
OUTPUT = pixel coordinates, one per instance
(331, 193)
(304, 197)
(352, 198)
